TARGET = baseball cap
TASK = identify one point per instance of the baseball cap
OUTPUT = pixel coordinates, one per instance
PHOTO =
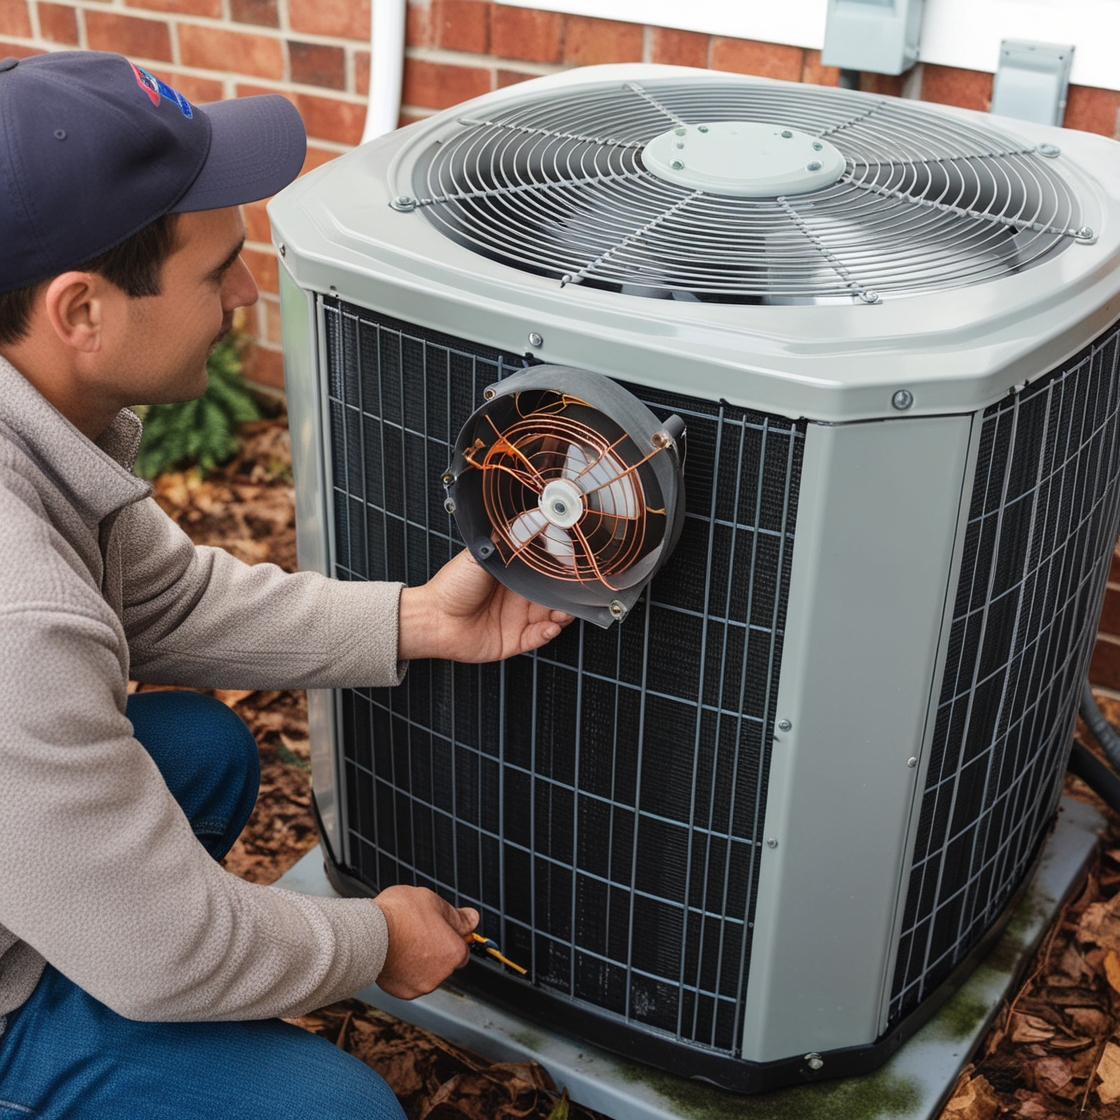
(93, 148)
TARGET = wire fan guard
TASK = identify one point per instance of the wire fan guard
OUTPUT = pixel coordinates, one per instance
(568, 489)
(558, 186)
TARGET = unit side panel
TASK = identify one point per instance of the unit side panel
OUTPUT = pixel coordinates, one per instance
(1042, 521)
(600, 802)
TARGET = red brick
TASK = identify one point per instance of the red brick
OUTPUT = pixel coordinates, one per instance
(256, 222)
(529, 35)
(194, 89)
(512, 78)
(418, 24)
(209, 8)
(435, 85)
(361, 72)
(767, 60)
(317, 64)
(58, 23)
(344, 19)
(15, 19)
(213, 48)
(9, 49)
(814, 74)
(264, 366)
(316, 157)
(588, 41)
(1093, 110)
(263, 267)
(270, 314)
(679, 48)
(1104, 666)
(410, 117)
(262, 13)
(329, 118)
(948, 85)
(887, 85)
(1114, 566)
(138, 38)
(461, 25)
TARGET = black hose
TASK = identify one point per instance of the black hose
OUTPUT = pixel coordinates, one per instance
(1103, 731)
(849, 79)
(1102, 781)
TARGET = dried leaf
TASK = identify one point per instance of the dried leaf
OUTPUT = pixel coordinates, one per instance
(1100, 924)
(1108, 1070)
(1112, 969)
(974, 1100)
(1030, 1028)
(232, 696)
(1052, 1074)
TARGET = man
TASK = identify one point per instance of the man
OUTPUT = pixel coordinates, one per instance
(137, 978)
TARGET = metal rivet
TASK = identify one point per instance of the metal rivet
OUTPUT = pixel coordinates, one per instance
(818, 146)
(902, 400)
(679, 144)
(404, 203)
(786, 134)
(911, 762)
(676, 165)
(448, 479)
(682, 132)
(869, 297)
(814, 166)
(536, 340)
(616, 608)
(60, 134)
(449, 505)
(702, 128)
(485, 550)
(1051, 151)
(1085, 233)
(784, 725)
(814, 1061)
(771, 843)
(490, 393)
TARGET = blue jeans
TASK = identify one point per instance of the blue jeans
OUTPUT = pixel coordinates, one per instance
(65, 1056)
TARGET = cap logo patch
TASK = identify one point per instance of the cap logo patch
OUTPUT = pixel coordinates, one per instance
(154, 88)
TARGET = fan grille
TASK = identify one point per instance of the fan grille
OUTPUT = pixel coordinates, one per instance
(557, 186)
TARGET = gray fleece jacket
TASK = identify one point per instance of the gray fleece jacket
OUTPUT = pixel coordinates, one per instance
(99, 871)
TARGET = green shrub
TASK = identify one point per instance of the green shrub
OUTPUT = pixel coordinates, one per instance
(202, 431)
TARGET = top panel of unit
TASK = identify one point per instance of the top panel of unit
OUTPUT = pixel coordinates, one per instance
(731, 192)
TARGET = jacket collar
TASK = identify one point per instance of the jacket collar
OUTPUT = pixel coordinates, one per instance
(97, 476)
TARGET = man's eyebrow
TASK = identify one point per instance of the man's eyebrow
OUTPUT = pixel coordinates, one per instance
(228, 262)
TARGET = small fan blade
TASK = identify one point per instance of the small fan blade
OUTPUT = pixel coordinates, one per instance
(526, 527)
(559, 543)
(615, 491)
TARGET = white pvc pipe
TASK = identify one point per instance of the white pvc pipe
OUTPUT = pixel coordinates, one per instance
(386, 66)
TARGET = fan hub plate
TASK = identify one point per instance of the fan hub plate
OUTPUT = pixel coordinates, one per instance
(744, 159)
(561, 503)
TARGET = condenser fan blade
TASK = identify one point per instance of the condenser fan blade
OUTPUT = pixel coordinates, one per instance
(526, 527)
(604, 479)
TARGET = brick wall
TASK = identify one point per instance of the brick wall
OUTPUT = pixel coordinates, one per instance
(316, 52)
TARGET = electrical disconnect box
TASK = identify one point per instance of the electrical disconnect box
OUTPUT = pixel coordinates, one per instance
(876, 35)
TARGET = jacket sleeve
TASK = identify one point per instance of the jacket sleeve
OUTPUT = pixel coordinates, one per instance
(198, 616)
(99, 870)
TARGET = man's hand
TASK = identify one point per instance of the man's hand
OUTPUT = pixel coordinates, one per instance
(463, 614)
(426, 940)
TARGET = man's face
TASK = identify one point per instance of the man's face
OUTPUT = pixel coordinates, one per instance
(160, 353)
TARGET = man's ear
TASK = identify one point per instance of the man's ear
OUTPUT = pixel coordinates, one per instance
(75, 305)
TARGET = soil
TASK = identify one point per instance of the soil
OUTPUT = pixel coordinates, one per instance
(1053, 1052)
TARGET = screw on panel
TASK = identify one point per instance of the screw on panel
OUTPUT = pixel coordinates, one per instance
(869, 296)
(814, 1061)
(490, 393)
(536, 340)
(771, 843)
(814, 166)
(449, 505)
(786, 134)
(403, 203)
(902, 400)
(682, 132)
(784, 725)
(485, 550)
(911, 762)
(702, 128)
(1051, 151)
(818, 146)
(1086, 234)
(283, 250)
(676, 165)
(448, 479)
(661, 439)
(617, 609)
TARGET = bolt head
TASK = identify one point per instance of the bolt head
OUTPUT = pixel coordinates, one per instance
(771, 843)
(784, 725)
(902, 400)
(1051, 151)
(449, 505)
(814, 1061)
(676, 164)
(786, 134)
(814, 166)
(911, 762)
(536, 340)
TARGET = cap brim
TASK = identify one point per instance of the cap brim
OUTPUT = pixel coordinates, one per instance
(257, 146)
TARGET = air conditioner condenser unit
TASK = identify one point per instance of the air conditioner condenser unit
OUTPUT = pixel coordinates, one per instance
(754, 830)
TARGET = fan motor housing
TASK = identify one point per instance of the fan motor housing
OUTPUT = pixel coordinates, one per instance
(777, 810)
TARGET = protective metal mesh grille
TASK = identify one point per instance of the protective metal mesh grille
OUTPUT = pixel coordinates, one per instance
(557, 187)
(1044, 515)
(599, 802)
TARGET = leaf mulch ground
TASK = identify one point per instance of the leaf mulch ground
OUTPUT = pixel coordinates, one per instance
(1053, 1052)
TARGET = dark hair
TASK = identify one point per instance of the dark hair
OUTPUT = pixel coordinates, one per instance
(134, 266)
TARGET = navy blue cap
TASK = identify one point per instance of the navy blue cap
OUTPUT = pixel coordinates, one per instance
(94, 148)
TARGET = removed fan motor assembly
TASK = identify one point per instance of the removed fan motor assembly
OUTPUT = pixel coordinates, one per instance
(567, 489)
